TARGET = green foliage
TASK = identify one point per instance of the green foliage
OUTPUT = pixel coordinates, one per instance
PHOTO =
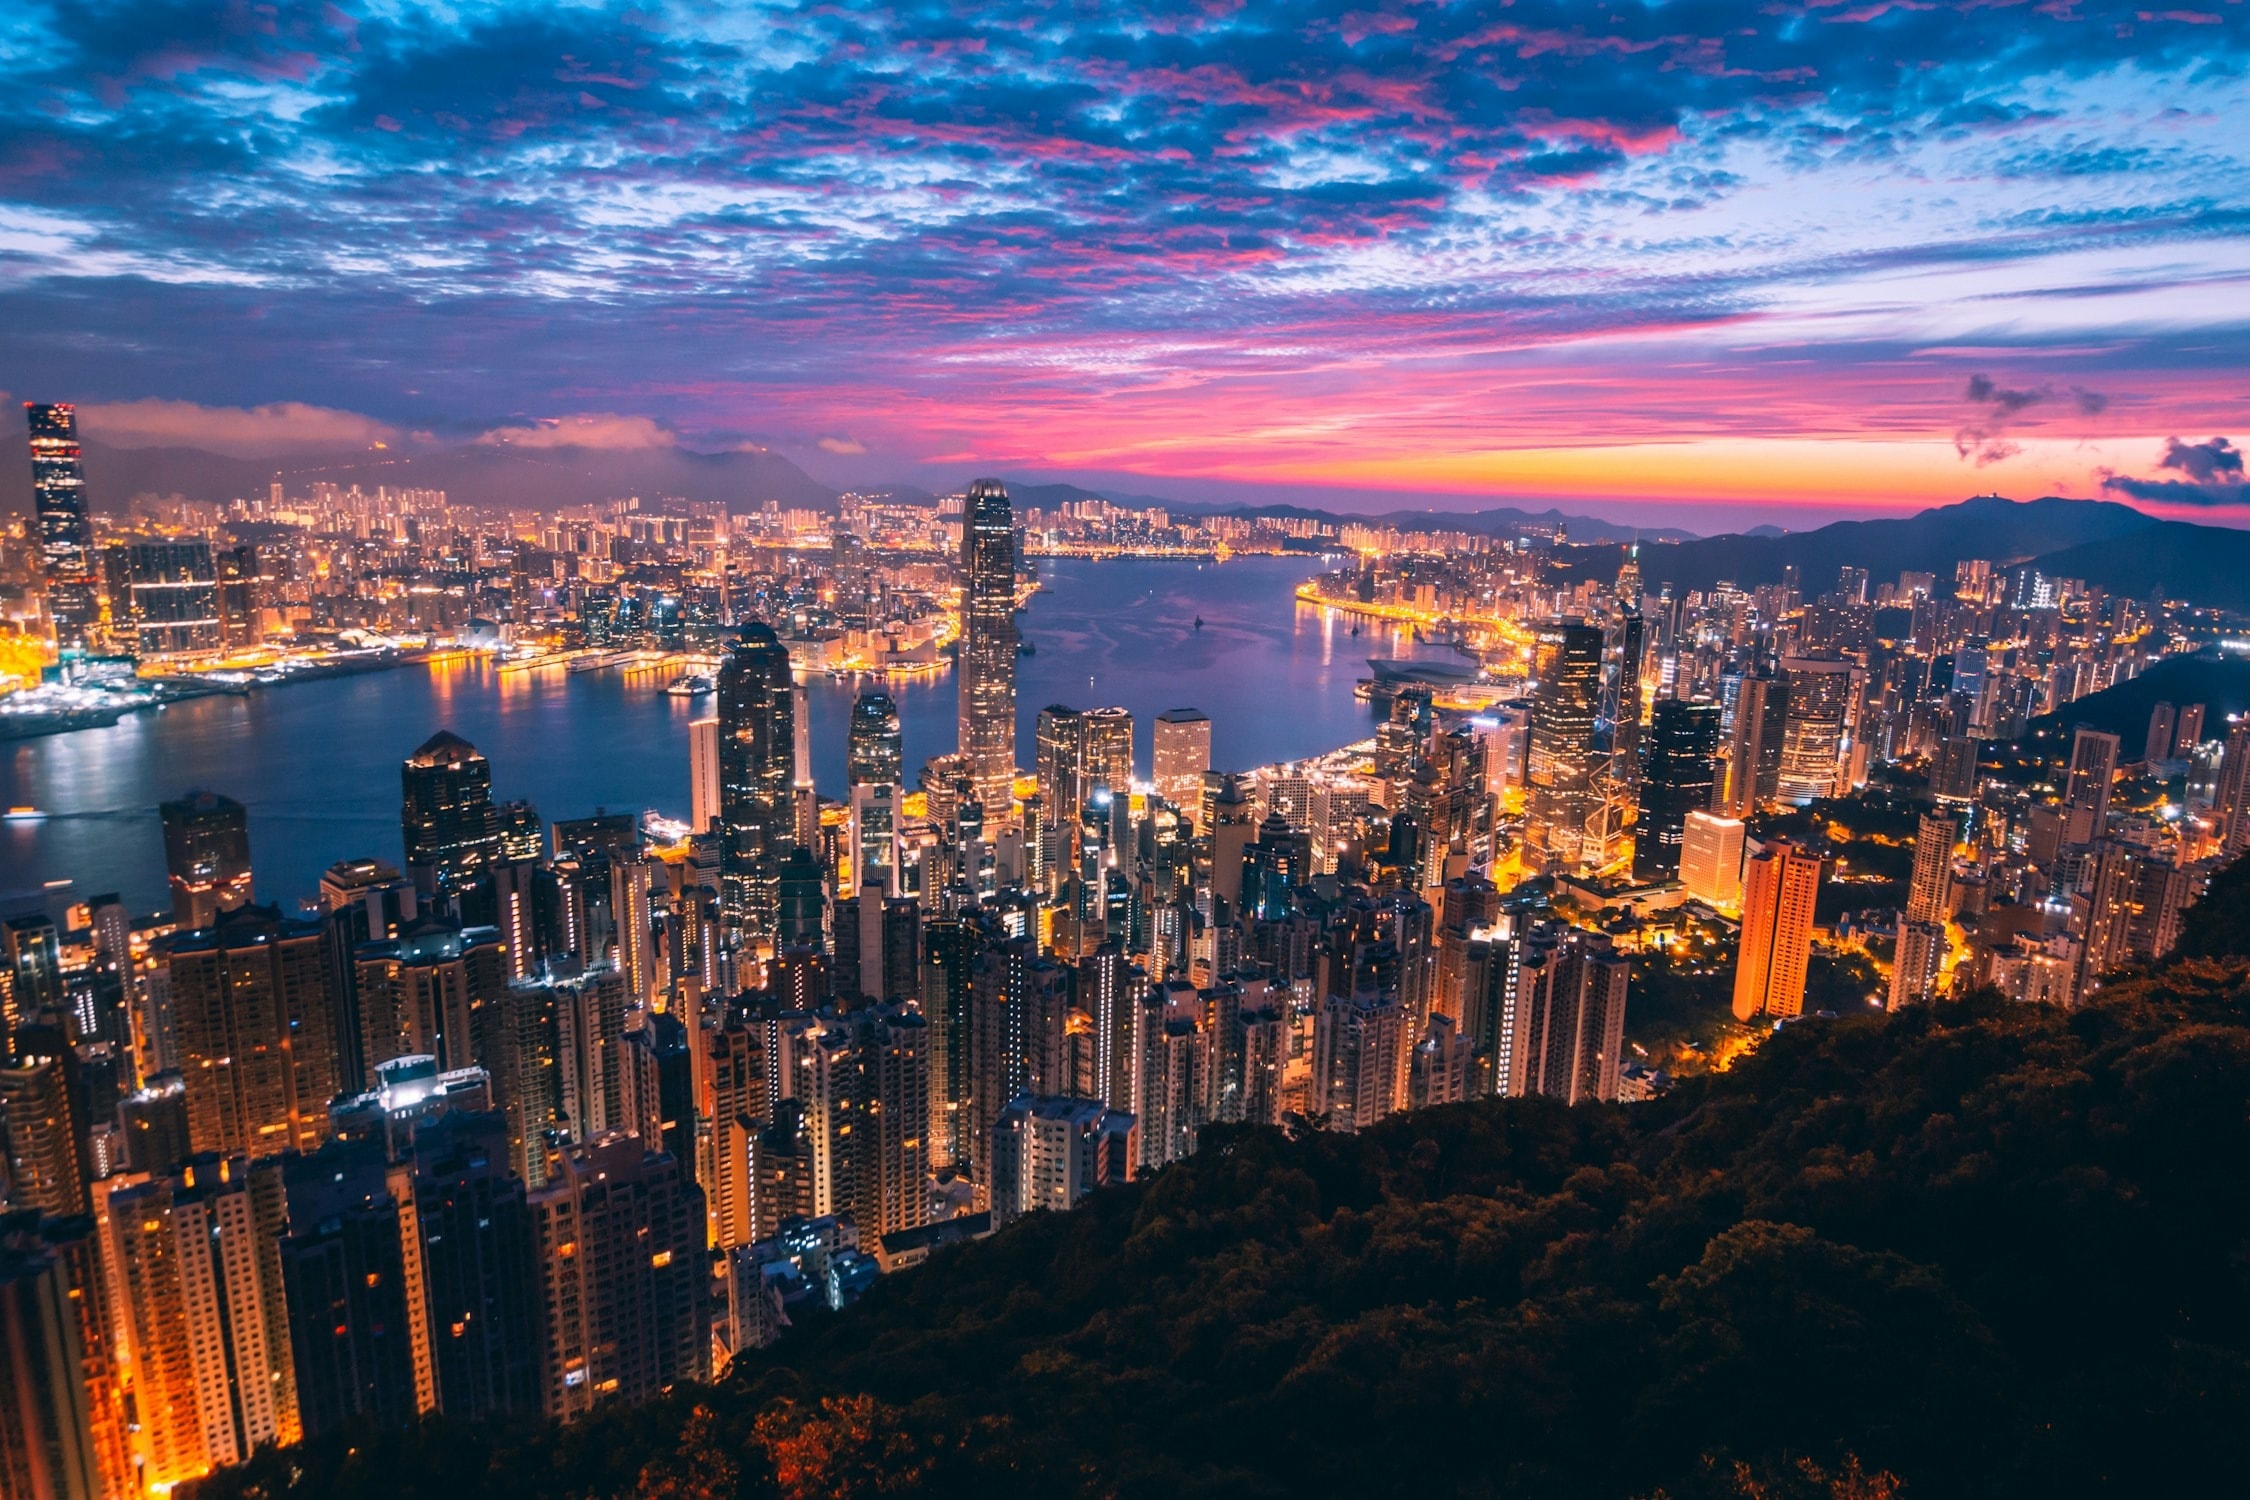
(1992, 1251)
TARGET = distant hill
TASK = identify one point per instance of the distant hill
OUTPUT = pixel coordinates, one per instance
(2220, 684)
(495, 475)
(1501, 522)
(2066, 538)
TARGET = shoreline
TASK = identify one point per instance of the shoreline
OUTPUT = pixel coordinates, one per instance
(162, 692)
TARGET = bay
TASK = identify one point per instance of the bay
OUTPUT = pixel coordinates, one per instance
(317, 763)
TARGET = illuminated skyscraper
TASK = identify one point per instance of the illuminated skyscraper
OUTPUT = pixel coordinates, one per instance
(874, 750)
(1564, 698)
(1683, 747)
(253, 1009)
(757, 765)
(1761, 717)
(1183, 754)
(2093, 767)
(452, 830)
(207, 855)
(987, 662)
(1779, 889)
(66, 536)
(703, 774)
(1933, 868)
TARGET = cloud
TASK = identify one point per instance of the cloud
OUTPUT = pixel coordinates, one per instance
(848, 447)
(585, 430)
(1997, 406)
(2214, 470)
(246, 432)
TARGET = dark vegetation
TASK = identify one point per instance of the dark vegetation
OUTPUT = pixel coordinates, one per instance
(1968, 1251)
(2220, 684)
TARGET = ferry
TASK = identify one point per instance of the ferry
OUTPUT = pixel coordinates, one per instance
(694, 685)
(24, 814)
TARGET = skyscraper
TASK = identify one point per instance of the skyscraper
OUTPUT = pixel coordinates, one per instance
(703, 774)
(1779, 889)
(1049, 1152)
(1564, 700)
(874, 746)
(253, 1009)
(987, 661)
(1183, 754)
(452, 831)
(757, 766)
(207, 856)
(1679, 778)
(1761, 716)
(2093, 767)
(66, 536)
(1568, 1015)
(1933, 868)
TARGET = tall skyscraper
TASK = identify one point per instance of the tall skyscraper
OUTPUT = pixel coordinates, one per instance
(207, 856)
(703, 774)
(874, 745)
(481, 1285)
(987, 660)
(2093, 767)
(1565, 696)
(65, 534)
(1761, 717)
(1183, 754)
(1816, 733)
(40, 1128)
(1568, 1016)
(620, 1252)
(452, 830)
(61, 1434)
(1679, 778)
(253, 1010)
(757, 766)
(345, 1279)
(1779, 889)
(2230, 805)
(1356, 1070)
(2158, 744)
(1933, 868)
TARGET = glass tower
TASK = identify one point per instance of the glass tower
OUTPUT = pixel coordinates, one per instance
(988, 646)
(66, 537)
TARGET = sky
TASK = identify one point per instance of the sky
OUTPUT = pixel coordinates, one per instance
(1696, 261)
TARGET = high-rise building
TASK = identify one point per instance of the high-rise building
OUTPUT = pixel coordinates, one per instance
(620, 1252)
(987, 659)
(1711, 858)
(2093, 768)
(2188, 732)
(253, 1012)
(452, 830)
(1780, 886)
(65, 533)
(1565, 696)
(207, 856)
(344, 1276)
(41, 1131)
(32, 949)
(2230, 805)
(703, 774)
(1049, 1152)
(1568, 1015)
(480, 1284)
(1760, 727)
(757, 765)
(1817, 732)
(874, 744)
(1917, 963)
(2158, 744)
(1933, 868)
(1182, 755)
(62, 1418)
(170, 598)
(1678, 778)
(424, 992)
(1356, 1059)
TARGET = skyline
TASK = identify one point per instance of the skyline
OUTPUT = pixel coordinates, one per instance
(1639, 263)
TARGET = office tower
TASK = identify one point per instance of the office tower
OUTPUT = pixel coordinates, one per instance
(420, 993)
(950, 946)
(1183, 754)
(1933, 868)
(34, 969)
(2188, 733)
(481, 1284)
(196, 1259)
(1568, 1015)
(1679, 778)
(253, 1012)
(987, 656)
(65, 534)
(1917, 963)
(452, 830)
(344, 1279)
(1817, 731)
(804, 799)
(1780, 885)
(1953, 770)
(1760, 726)
(1356, 1059)
(1711, 858)
(874, 830)
(207, 855)
(703, 774)
(172, 599)
(620, 1251)
(2093, 767)
(757, 764)
(1567, 667)
(61, 1426)
(874, 745)
(1058, 765)
(1049, 1152)
(42, 1128)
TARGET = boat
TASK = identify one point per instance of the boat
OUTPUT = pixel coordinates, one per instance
(24, 814)
(1390, 671)
(1025, 648)
(693, 685)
